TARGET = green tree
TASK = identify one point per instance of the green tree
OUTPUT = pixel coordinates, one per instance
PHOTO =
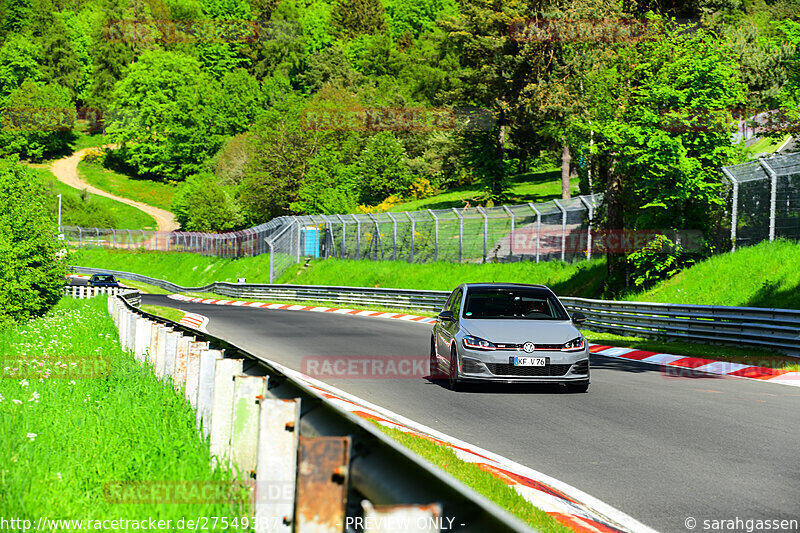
(31, 268)
(356, 17)
(382, 168)
(163, 114)
(19, 61)
(202, 204)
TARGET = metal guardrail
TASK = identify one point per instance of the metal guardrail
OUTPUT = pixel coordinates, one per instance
(776, 329)
(314, 465)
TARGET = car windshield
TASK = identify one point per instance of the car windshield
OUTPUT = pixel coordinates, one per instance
(104, 278)
(513, 303)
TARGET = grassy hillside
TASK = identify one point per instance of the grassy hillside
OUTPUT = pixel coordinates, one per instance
(149, 192)
(765, 275)
(531, 187)
(189, 270)
(82, 209)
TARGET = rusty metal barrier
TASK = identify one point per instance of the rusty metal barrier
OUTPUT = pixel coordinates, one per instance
(315, 467)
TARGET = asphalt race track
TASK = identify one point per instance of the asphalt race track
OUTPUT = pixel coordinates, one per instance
(658, 448)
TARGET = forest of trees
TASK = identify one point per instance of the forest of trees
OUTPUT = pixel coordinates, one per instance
(637, 98)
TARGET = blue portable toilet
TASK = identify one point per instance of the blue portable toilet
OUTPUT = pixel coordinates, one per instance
(310, 237)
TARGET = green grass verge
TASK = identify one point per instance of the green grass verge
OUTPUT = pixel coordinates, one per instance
(149, 192)
(186, 269)
(577, 279)
(481, 481)
(764, 275)
(65, 440)
(165, 312)
(84, 139)
(533, 187)
(79, 208)
(765, 146)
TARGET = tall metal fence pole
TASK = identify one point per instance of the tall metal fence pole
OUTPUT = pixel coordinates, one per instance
(344, 235)
(413, 230)
(510, 235)
(394, 235)
(538, 228)
(563, 229)
(460, 233)
(734, 206)
(773, 197)
(435, 235)
(358, 236)
(590, 208)
(271, 260)
(485, 231)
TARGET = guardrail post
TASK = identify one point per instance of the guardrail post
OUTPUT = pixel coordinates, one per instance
(589, 229)
(485, 231)
(248, 391)
(394, 235)
(276, 471)
(205, 389)
(193, 371)
(435, 235)
(511, 235)
(413, 231)
(156, 331)
(563, 228)
(773, 196)
(161, 352)
(322, 481)
(538, 229)
(181, 361)
(222, 408)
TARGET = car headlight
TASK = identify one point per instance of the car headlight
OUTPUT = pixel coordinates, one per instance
(476, 343)
(574, 345)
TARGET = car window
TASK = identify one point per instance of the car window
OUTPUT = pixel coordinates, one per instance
(455, 305)
(517, 303)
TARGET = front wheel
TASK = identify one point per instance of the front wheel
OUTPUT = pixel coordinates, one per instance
(455, 384)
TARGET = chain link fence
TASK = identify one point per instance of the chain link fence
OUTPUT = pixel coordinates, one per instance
(764, 199)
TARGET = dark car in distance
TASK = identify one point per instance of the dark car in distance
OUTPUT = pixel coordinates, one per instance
(103, 280)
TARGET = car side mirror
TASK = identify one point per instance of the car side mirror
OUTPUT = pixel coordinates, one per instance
(578, 318)
(446, 316)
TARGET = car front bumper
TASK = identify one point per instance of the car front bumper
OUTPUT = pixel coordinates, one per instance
(497, 366)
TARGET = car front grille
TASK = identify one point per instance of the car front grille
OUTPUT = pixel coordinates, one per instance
(511, 346)
(505, 369)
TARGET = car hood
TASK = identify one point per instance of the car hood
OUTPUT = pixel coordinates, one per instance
(520, 331)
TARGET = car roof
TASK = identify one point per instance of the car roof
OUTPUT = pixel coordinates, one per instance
(500, 285)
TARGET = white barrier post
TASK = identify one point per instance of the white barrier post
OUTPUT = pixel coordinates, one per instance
(193, 371)
(276, 471)
(222, 408)
(155, 334)
(130, 341)
(248, 391)
(205, 389)
(181, 358)
(161, 352)
(122, 326)
(170, 353)
(142, 343)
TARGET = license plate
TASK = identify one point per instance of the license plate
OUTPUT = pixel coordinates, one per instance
(530, 361)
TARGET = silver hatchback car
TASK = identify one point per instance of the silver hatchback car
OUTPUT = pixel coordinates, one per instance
(504, 332)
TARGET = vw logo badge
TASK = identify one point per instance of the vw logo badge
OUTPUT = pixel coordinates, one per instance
(528, 347)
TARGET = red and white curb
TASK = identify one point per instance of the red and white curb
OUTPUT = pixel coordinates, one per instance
(193, 320)
(699, 365)
(312, 308)
(568, 505)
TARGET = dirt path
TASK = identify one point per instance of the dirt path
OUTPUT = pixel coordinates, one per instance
(66, 170)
